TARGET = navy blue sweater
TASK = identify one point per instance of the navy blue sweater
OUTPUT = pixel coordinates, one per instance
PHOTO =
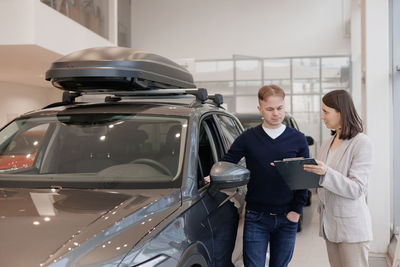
(266, 189)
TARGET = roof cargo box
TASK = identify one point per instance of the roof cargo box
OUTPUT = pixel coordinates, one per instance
(116, 68)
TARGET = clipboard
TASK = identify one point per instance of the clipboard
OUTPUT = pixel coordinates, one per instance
(295, 176)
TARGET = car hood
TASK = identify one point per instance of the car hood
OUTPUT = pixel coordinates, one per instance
(77, 227)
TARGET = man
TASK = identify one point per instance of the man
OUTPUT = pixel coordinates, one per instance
(272, 209)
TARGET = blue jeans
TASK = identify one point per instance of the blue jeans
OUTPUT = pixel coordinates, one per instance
(261, 228)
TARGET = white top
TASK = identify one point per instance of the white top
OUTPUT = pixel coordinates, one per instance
(274, 133)
(330, 156)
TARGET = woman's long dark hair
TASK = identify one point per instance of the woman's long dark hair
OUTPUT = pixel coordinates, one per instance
(341, 101)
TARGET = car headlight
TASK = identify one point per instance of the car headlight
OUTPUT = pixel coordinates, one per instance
(153, 262)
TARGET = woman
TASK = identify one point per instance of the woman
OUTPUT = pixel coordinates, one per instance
(344, 163)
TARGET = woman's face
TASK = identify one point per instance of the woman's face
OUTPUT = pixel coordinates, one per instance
(331, 117)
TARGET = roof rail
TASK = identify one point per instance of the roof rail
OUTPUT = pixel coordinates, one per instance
(201, 96)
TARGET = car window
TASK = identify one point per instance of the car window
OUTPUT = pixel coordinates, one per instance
(210, 149)
(96, 147)
(229, 129)
(250, 121)
(20, 148)
(290, 122)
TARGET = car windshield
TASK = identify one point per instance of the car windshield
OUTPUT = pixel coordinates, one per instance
(106, 148)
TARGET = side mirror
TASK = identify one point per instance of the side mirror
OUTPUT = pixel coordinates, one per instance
(310, 140)
(227, 175)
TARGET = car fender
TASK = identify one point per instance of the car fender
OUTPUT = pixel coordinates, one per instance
(195, 254)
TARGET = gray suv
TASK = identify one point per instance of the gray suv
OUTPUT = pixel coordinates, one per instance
(117, 178)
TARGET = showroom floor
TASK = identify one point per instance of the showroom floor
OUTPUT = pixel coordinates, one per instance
(310, 249)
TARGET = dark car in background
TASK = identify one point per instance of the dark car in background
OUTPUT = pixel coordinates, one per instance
(118, 179)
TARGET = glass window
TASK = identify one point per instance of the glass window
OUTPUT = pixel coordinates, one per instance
(306, 103)
(277, 69)
(210, 149)
(306, 75)
(247, 104)
(248, 69)
(248, 87)
(95, 148)
(229, 129)
(284, 84)
(306, 86)
(335, 73)
(224, 88)
(304, 80)
(306, 111)
(206, 159)
(219, 70)
(19, 150)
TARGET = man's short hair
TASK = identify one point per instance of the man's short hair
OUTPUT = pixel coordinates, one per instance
(270, 90)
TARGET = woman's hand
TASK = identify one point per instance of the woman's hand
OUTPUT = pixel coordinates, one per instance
(319, 169)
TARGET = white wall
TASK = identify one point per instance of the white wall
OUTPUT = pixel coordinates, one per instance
(32, 22)
(60, 34)
(16, 22)
(39, 33)
(372, 94)
(17, 99)
(356, 55)
(378, 113)
(218, 29)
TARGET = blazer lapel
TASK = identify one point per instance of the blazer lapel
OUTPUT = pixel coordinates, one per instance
(339, 153)
(323, 153)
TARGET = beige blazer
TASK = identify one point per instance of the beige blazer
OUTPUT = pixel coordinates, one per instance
(344, 215)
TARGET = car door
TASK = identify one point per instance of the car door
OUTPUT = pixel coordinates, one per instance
(230, 128)
(222, 218)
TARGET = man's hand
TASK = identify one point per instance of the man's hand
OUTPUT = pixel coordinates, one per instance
(293, 216)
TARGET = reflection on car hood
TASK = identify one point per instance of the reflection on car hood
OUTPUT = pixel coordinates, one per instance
(77, 227)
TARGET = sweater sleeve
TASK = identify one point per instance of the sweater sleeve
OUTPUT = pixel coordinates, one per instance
(300, 196)
(237, 150)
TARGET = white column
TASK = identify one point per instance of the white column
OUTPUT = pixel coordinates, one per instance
(113, 21)
(356, 65)
(378, 116)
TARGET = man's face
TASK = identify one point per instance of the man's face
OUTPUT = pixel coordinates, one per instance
(272, 109)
